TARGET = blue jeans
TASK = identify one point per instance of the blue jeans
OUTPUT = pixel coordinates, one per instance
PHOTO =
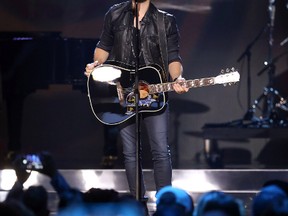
(157, 128)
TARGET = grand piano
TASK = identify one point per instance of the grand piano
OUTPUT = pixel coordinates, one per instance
(31, 61)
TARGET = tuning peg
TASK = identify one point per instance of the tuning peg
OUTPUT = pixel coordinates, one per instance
(222, 71)
(232, 69)
(227, 70)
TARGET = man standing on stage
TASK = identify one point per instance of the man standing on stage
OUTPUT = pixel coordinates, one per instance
(117, 43)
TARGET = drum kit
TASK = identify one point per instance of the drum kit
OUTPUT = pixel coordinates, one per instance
(270, 109)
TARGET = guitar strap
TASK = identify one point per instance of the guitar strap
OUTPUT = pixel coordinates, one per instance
(163, 42)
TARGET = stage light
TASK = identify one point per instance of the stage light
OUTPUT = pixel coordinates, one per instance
(91, 179)
(197, 183)
(106, 74)
(32, 180)
(7, 179)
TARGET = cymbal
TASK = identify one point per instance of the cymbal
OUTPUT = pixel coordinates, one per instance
(181, 106)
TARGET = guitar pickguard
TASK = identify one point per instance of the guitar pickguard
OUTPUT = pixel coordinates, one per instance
(142, 104)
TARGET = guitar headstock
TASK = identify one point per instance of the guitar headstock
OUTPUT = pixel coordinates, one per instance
(228, 76)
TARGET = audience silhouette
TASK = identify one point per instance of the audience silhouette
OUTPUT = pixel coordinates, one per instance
(272, 199)
(173, 201)
(34, 200)
(220, 204)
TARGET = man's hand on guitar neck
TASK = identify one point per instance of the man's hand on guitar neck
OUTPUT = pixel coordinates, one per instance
(175, 70)
(90, 67)
(179, 85)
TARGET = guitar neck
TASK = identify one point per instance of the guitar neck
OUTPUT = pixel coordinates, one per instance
(168, 87)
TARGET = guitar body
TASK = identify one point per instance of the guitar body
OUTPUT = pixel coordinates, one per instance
(113, 102)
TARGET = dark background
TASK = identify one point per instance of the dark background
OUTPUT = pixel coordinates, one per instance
(47, 76)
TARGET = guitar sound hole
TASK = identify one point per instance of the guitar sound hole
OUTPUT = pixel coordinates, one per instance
(143, 90)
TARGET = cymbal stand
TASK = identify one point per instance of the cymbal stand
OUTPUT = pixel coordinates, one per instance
(267, 117)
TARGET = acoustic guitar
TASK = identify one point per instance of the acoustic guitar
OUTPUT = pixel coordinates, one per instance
(111, 90)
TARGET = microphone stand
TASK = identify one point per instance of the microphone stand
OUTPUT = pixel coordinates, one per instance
(137, 115)
(247, 53)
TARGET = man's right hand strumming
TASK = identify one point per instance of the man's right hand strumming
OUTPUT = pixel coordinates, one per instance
(101, 56)
(90, 67)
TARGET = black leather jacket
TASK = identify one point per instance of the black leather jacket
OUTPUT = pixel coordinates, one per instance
(117, 36)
